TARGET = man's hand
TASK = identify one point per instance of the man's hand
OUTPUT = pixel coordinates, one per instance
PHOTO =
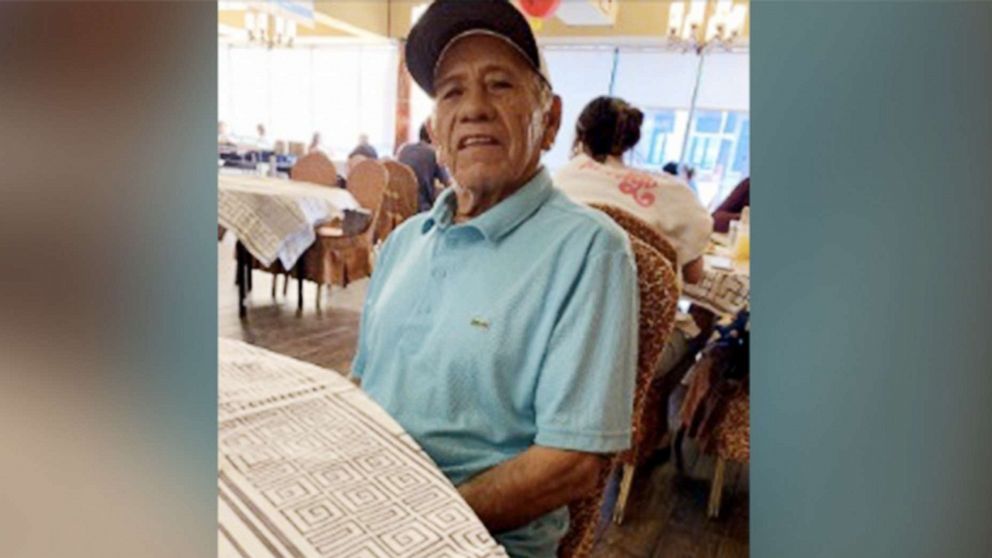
(540, 480)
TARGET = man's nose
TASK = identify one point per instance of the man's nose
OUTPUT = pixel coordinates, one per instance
(477, 105)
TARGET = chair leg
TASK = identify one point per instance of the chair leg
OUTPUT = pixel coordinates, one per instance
(319, 287)
(677, 450)
(625, 483)
(299, 281)
(239, 278)
(716, 489)
(275, 280)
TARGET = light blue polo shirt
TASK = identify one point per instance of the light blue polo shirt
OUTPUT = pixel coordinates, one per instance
(515, 328)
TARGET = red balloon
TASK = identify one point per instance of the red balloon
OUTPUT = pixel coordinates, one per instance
(539, 8)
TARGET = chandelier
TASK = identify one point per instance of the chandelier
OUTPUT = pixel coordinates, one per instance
(691, 28)
(269, 31)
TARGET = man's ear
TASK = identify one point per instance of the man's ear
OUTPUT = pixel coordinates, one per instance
(553, 117)
(439, 148)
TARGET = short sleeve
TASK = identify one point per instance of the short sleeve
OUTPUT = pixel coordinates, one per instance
(382, 267)
(585, 390)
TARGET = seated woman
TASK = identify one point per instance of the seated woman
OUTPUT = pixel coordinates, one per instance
(732, 206)
(607, 128)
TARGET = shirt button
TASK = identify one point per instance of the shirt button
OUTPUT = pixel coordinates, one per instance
(439, 273)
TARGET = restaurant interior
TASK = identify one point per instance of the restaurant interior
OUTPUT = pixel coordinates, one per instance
(315, 108)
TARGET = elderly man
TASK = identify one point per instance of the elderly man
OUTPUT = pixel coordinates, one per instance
(500, 328)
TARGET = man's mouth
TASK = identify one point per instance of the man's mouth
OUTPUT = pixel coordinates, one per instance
(477, 140)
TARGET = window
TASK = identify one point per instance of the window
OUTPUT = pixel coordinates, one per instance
(661, 138)
(661, 84)
(579, 75)
(718, 151)
(338, 90)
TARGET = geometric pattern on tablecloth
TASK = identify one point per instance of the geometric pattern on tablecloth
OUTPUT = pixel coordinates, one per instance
(720, 292)
(275, 219)
(318, 469)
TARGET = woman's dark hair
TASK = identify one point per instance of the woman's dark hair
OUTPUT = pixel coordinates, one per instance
(608, 126)
(424, 136)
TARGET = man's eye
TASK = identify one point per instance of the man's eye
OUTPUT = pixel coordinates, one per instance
(451, 93)
(501, 84)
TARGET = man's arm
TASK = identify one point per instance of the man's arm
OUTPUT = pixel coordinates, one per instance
(692, 272)
(539, 480)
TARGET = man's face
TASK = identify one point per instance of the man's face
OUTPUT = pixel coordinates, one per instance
(489, 123)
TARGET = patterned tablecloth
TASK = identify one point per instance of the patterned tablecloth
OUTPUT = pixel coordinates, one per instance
(310, 466)
(274, 218)
(726, 285)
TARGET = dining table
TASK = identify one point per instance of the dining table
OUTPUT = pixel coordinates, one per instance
(725, 287)
(274, 219)
(308, 465)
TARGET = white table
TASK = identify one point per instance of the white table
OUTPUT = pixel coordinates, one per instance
(275, 218)
(308, 465)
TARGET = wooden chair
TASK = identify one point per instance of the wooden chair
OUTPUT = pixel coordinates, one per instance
(315, 167)
(297, 148)
(655, 281)
(637, 227)
(367, 181)
(399, 201)
(337, 258)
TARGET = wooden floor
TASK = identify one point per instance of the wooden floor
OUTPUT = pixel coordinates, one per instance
(666, 514)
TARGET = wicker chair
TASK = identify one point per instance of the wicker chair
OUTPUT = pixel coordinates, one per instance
(399, 201)
(649, 422)
(297, 148)
(733, 443)
(642, 230)
(655, 280)
(337, 258)
(316, 168)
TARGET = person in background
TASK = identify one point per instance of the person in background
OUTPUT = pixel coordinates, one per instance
(690, 178)
(513, 365)
(364, 149)
(262, 142)
(227, 148)
(606, 129)
(730, 209)
(317, 145)
(422, 158)
(685, 172)
(223, 135)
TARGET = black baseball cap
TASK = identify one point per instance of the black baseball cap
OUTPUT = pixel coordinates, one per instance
(447, 20)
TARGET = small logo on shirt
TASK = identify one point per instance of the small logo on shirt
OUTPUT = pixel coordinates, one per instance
(480, 323)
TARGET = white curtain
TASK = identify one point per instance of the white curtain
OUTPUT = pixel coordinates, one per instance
(339, 90)
(725, 83)
(578, 75)
(656, 79)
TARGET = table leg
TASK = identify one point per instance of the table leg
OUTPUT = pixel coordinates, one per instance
(299, 276)
(239, 278)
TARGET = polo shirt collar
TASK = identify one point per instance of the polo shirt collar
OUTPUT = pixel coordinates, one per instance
(500, 219)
